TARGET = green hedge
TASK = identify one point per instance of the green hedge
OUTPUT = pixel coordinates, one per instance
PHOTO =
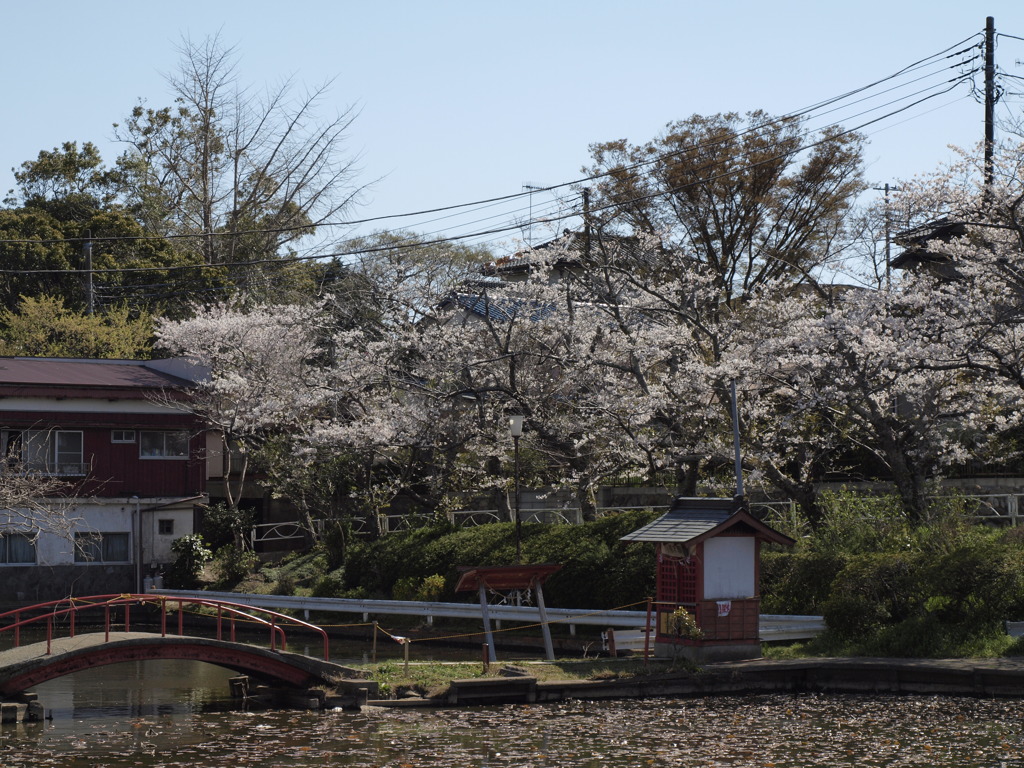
(599, 571)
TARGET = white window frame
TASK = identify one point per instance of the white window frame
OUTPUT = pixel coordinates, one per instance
(47, 451)
(163, 455)
(122, 436)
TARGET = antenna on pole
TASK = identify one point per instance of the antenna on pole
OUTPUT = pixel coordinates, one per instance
(529, 229)
(736, 444)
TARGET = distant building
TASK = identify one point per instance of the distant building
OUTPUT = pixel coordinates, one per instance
(917, 252)
(134, 469)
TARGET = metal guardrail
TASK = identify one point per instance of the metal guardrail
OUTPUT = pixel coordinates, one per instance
(772, 627)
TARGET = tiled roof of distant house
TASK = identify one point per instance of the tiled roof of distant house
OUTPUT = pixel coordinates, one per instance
(569, 249)
(502, 308)
(94, 378)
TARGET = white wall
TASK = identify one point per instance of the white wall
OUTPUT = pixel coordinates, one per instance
(117, 516)
(729, 567)
(156, 547)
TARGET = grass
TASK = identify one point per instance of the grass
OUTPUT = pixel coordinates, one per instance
(431, 679)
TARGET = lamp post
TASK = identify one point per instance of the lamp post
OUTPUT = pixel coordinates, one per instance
(515, 427)
(138, 543)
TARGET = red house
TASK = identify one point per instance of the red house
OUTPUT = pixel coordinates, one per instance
(708, 564)
(132, 466)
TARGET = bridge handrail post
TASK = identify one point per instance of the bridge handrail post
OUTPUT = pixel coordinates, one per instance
(106, 623)
(181, 617)
(163, 617)
(49, 635)
(127, 617)
(74, 612)
(220, 618)
(17, 630)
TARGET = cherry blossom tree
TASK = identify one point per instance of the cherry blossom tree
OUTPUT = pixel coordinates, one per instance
(266, 375)
(34, 502)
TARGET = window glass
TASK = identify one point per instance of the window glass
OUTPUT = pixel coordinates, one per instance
(102, 548)
(115, 548)
(151, 444)
(165, 527)
(166, 445)
(122, 436)
(17, 548)
(22, 549)
(41, 450)
(88, 548)
(34, 449)
(176, 443)
(68, 450)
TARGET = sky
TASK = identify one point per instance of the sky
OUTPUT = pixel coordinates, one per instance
(466, 101)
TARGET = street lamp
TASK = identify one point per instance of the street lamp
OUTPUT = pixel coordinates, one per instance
(515, 427)
(137, 517)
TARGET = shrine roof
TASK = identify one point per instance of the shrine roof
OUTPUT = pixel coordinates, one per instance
(505, 577)
(695, 519)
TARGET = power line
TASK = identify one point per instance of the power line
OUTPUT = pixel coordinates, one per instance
(419, 241)
(514, 196)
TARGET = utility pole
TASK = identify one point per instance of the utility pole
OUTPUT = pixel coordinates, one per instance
(990, 100)
(888, 237)
(586, 226)
(90, 296)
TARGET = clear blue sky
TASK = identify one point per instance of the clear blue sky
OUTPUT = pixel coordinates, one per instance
(462, 101)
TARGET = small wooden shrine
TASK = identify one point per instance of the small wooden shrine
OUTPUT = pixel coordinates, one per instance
(708, 555)
(509, 579)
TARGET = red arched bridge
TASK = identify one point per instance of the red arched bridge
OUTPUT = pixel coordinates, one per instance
(66, 650)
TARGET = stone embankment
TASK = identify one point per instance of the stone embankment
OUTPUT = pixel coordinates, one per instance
(963, 677)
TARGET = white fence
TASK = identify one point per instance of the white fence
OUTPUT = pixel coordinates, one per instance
(994, 507)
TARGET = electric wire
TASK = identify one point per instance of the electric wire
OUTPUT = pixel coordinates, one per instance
(492, 202)
(420, 241)
(495, 200)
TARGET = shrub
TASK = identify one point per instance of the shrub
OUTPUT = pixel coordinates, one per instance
(232, 564)
(798, 582)
(428, 589)
(871, 591)
(191, 555)
(599, 570)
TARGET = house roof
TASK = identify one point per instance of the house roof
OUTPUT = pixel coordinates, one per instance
(691, 520)
(501, 308)
(95, 378)
(568, 250)
(915, 243)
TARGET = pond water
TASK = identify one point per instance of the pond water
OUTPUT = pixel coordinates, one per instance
(172, 713)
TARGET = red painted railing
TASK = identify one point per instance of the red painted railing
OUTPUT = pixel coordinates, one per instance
(227, 612)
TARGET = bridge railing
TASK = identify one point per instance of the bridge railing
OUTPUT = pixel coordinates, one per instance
(227, 612)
